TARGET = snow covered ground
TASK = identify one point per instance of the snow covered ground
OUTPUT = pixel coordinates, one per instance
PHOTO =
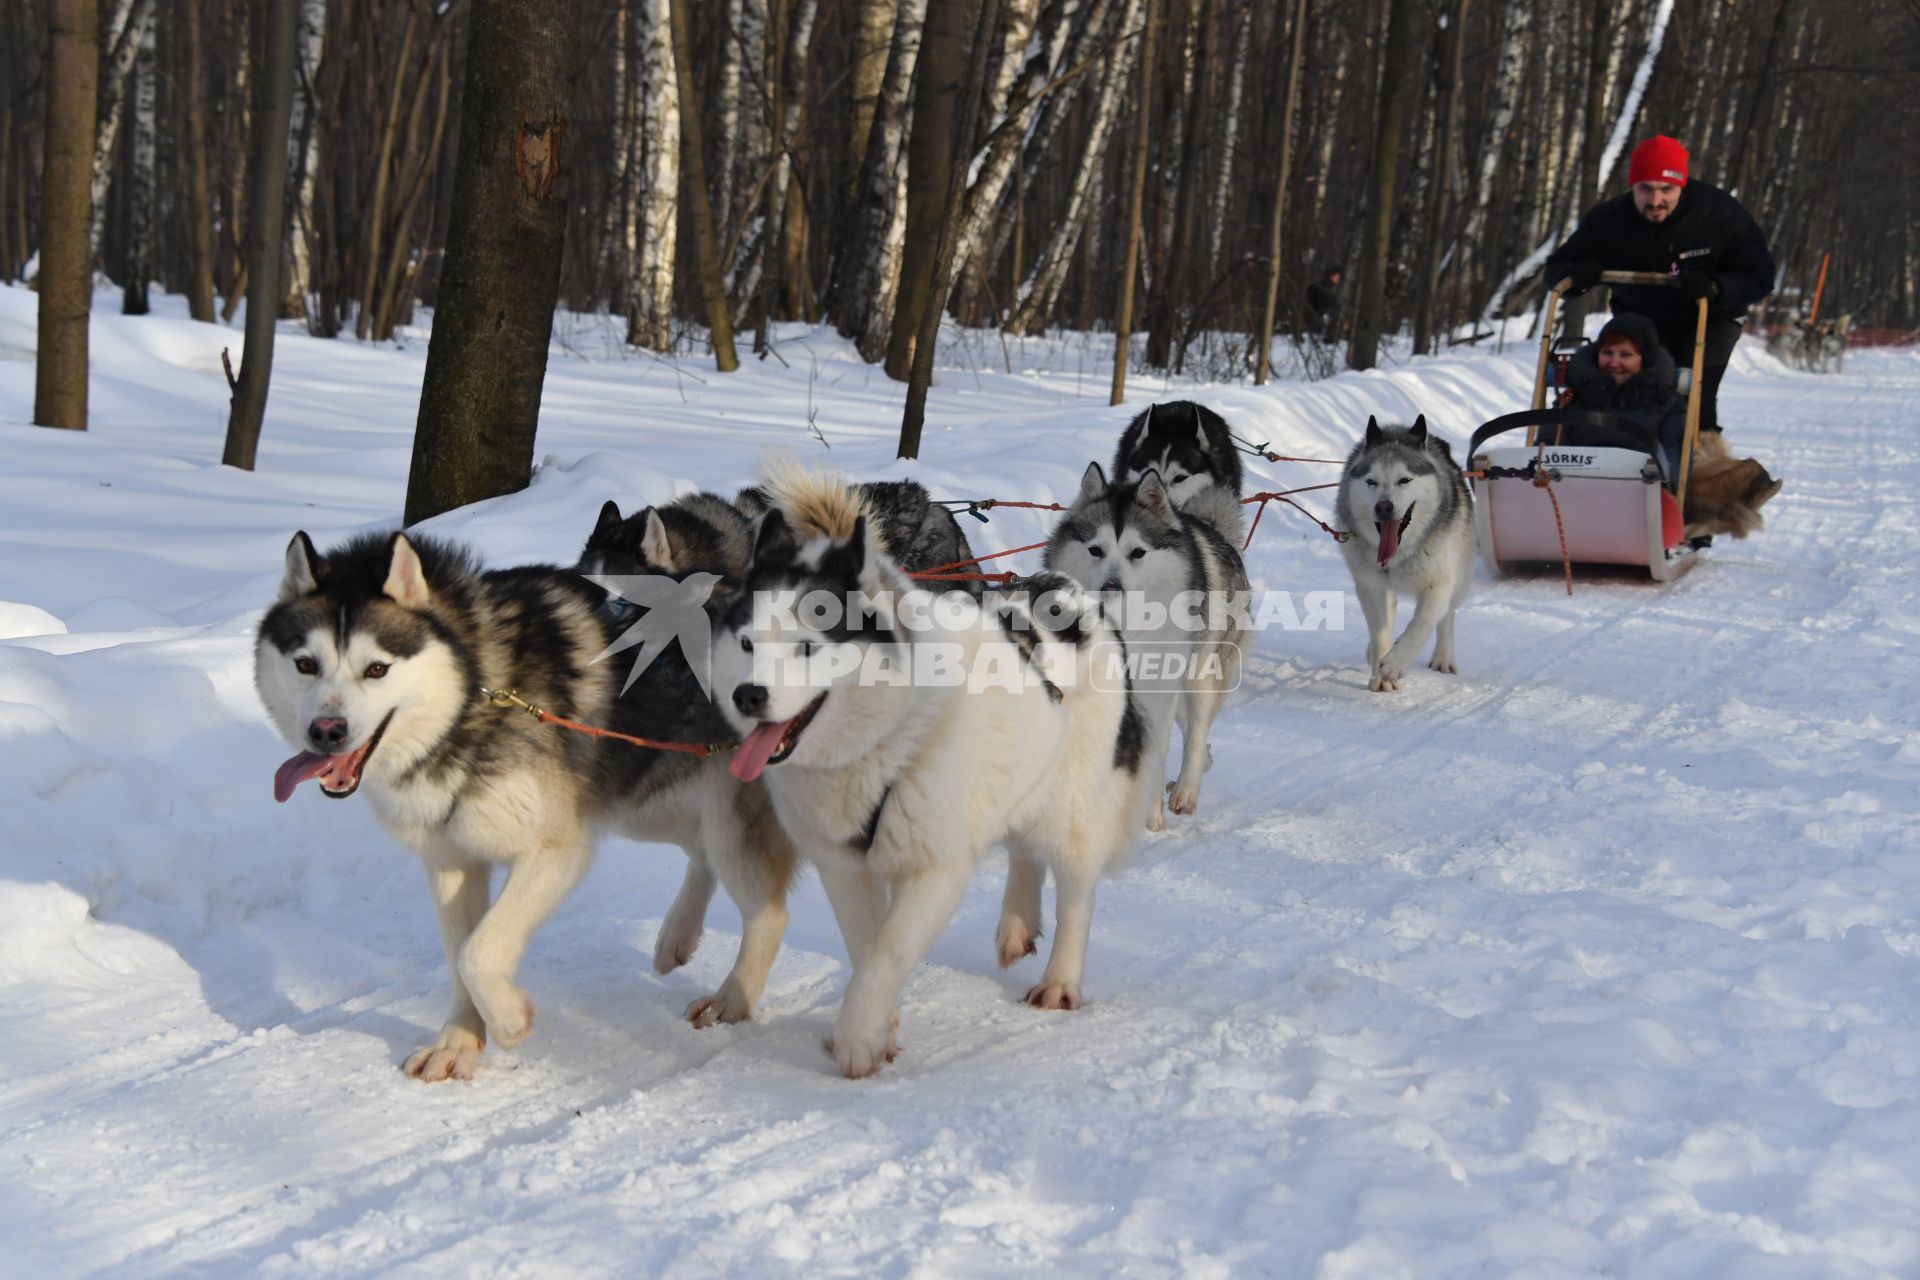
(1602, 958)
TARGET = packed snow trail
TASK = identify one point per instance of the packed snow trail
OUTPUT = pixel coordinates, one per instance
(1602, 958)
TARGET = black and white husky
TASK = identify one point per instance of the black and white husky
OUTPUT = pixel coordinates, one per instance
(1182, 597)
(919, 534)
(903, 733)
(377, 662)
(1192, 448)
(1411, 515)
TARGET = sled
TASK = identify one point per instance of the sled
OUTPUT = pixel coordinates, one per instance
(1606, 493)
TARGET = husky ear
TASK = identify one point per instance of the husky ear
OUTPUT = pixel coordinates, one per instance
(302, 575)
(1419, 431)
(655, 545)
(406, 580)
(1374, 434)
(1199, 432)
(1093, 483)
(775, 543)
(609, 519)
(1152, 494)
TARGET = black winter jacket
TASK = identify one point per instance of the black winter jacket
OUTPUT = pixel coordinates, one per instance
(1650, 397)
(1708, 231)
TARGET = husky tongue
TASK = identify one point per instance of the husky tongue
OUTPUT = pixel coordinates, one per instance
(296, 771)
(751, 756)
(1389, 539)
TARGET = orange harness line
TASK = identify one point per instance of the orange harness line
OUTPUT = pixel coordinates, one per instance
(507, 699)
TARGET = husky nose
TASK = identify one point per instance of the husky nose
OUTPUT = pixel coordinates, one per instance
(328, 732)
(751, 699)
(1383, 509)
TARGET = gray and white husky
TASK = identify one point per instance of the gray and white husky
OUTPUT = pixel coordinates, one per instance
(1184, 605)
(377, 662)
(906, 734)
(1411, 514)
(1192, 448)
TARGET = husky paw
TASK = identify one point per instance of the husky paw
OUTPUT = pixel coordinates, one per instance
(728, 1004)
(675, 945)
(1055, 995)
(1014, 941)
(1157, 820)
(1443, 665)
(1183, 799)
(452, 1057)
(860, 1056)
(1386, 680)
(507, 1011)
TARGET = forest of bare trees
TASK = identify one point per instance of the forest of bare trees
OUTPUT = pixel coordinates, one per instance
(1436, 145)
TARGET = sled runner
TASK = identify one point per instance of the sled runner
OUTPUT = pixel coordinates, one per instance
(1597, 477)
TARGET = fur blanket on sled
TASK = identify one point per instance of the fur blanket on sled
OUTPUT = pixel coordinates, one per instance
(1725, 493)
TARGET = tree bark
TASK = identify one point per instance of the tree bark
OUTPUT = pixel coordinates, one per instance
(266, 210)
(694, 182)
(199, 202)
(867, 279)
(66, 194)
(1441, 193)
(487, 361)
(1364, 350)
(123, 35)
(1277, 243)
(1123, 318)
(943, 52)
(303, 162)
(140, 175)
(872, 41)
(941, 275)
(657, 200)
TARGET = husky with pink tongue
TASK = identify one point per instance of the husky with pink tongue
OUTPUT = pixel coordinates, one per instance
(377, 661)
(1410, 513)
(904, 733)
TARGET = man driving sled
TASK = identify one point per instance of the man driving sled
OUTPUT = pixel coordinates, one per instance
(1669, 224)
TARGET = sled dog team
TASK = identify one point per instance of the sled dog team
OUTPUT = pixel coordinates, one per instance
(386, 661)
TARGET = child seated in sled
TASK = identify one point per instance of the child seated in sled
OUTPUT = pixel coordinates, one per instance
(1626, 373)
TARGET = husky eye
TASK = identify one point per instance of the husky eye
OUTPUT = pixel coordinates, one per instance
(306, 666)
(1179, 480)
(746, 645)
(1373, 484)
(375, 670)
(1096, 552)
(1138, 553)
(1403, 481)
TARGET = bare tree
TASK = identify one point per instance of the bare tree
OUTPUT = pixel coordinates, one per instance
(1278, 242)
(487, 361)
(123, 33)
(1363, 351)
(303, 160)
(266, 212)
(1143, 138)
(141, 195)
(694, 183)
(66, 259)
(656, 202)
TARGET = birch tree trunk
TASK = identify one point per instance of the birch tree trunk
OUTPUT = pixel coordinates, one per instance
(1441, 192)
(619, 229)
(1040, 292)
(303, 163)
(131, 18)
(1229, 139)
(873, 25)
(1506, 95)
(66, 260)
(871, 270)
(140, 178)
(728, 111)
(650, 316)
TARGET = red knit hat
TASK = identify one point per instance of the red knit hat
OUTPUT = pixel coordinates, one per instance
(1658, 159)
